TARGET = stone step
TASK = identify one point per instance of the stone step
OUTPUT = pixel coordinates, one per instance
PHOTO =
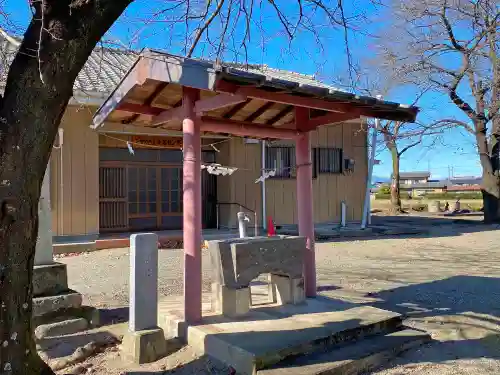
(62, 301)
(270, 335)
(49, 279)
(356, 358)
(60, 328)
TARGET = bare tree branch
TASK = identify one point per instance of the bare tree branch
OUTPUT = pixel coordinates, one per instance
(205, 26)
(7, 36)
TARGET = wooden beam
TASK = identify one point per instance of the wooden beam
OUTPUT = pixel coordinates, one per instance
(331, 118)
(233, 111)
(311, 102)
(133, 78)
(285, 111)
(140, 109)
(259, 112)
(301, 118)
(178, 113)
(245, 129)
(161, 86)
(217, 102)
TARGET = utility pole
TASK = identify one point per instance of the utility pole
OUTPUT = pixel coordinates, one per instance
(365, 219)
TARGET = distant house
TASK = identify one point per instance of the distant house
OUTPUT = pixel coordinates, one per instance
(411, 178)
(416, 184)
(422, 188)
(465, 184)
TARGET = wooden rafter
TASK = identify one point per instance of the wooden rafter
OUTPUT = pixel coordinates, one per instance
(233, 111)
(151, 98)
(285, 111)
(259, 112)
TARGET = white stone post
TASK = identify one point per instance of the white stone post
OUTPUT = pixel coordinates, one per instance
(145, 341)
(44, 254)
(143, 281)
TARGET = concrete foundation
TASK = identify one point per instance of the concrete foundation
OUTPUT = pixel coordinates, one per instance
(144, 346)
(233, 303)
(285, 290)
(270, 334)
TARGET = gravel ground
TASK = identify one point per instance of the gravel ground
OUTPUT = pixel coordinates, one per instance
(447, 283)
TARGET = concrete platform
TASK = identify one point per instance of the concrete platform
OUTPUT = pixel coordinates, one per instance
(271, 334)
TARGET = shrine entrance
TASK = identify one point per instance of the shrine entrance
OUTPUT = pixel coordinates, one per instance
(143, 191)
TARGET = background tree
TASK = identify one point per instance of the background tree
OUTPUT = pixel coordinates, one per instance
(56, 44)
(452, 47)
(399, 137)
(396, 137)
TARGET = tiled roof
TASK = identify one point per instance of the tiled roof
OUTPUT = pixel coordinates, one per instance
(281, 74)
(102, 72)
(106, 67)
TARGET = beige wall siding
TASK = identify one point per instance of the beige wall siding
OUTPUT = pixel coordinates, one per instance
(328, 189)
(75, 205)
(240, 187)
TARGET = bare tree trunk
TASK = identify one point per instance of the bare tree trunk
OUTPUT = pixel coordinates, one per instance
(491, 180)
(491, 197)
(30, 113)
(395, 190)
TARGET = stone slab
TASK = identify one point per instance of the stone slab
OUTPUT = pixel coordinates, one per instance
(53, 304)
(50, 279)
(64, 327)
(357, 358)
(144, 346)
(267, 336)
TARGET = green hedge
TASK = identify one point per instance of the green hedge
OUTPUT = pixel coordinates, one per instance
(464, 195)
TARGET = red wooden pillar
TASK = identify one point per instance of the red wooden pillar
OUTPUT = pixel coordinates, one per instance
(192, 207)
(305, 199)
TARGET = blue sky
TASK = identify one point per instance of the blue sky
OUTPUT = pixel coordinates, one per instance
(270, 45)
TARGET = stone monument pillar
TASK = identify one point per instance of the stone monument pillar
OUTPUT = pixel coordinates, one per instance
(52, 299)
(44, 253)
(145, 341)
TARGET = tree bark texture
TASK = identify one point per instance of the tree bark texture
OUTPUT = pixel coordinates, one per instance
(488, 156)
(395, 189)
(38, 89)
